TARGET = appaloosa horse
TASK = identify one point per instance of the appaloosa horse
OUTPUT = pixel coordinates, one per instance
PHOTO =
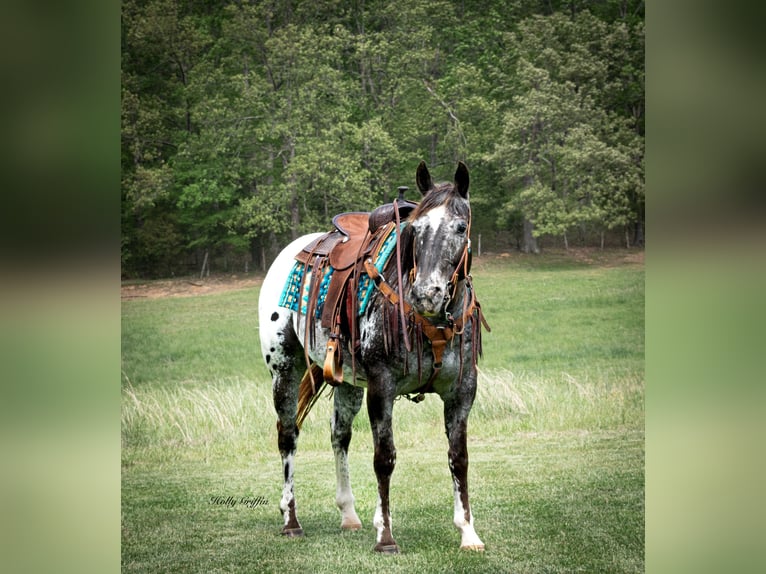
(419, 333)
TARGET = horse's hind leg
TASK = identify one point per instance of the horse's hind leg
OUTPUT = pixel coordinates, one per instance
(286, 401)
(348, 401)
(286, 366)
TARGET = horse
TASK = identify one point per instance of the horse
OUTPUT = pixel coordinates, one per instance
(419, 333)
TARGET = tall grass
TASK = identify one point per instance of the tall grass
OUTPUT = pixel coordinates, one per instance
(184, 417)
(238, 412)
(555, 438)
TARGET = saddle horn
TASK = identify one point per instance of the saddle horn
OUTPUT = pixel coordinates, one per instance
(386, 213)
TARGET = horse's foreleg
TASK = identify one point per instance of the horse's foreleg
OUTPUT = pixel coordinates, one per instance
(348, 401)
(456, 422)
(286, 402)
(380, 400)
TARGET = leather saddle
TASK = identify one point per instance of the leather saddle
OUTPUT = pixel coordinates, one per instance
(355, 236)
(340, 248)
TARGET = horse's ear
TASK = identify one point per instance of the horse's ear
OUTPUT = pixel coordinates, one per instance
(461, 179)
(424, 178)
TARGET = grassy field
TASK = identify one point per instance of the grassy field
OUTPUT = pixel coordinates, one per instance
(556, 438)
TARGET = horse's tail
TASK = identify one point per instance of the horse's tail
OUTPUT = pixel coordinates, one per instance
(311, 387)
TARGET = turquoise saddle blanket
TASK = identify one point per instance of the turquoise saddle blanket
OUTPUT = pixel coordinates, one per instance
(291, 295)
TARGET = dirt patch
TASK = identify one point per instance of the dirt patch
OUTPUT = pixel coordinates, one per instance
(590, 256)
(187, 286)
(607, 258)
(191, 286)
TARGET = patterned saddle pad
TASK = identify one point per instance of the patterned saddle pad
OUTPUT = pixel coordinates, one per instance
(291, 297)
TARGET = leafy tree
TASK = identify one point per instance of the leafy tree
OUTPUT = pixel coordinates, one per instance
(161, 47)
(568, 158)
(247, 122)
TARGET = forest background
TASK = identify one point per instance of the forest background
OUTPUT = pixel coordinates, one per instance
(246, 124)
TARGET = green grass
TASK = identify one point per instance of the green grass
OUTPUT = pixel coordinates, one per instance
(556, 438)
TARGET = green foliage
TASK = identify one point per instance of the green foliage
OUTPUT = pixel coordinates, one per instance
(570, 154)
(246, 123)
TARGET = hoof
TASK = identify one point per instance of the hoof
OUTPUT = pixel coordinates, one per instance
(387, 548)
(473, 547)
(292, 532)
(351, 526)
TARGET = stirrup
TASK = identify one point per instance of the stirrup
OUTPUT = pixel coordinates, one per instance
(333, 362)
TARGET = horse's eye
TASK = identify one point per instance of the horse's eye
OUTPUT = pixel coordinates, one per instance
(461, 226)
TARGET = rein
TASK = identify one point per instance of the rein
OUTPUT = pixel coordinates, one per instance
(402, 302)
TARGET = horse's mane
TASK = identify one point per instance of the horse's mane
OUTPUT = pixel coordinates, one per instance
(442, 194)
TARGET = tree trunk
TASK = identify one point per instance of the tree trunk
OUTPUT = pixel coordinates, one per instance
(638, 236)
(205, 265)
(295, 213)
(258, 252)
(263, 259)
(529, 244)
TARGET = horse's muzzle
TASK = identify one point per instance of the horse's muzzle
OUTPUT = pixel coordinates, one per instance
(430, 300)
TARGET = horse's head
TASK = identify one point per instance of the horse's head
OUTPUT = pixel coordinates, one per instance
(440, 226)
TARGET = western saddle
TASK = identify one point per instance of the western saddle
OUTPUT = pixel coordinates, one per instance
(356, 236)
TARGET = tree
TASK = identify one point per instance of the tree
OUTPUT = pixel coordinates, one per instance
(161, 45)
(247, 123)
(568, 158)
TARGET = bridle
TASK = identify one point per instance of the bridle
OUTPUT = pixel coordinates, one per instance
(442, 333)
(462, 269)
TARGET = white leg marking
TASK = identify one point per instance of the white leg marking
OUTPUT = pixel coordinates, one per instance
(378, 522)
(344, 498)
(469, 540)
(287, 490)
